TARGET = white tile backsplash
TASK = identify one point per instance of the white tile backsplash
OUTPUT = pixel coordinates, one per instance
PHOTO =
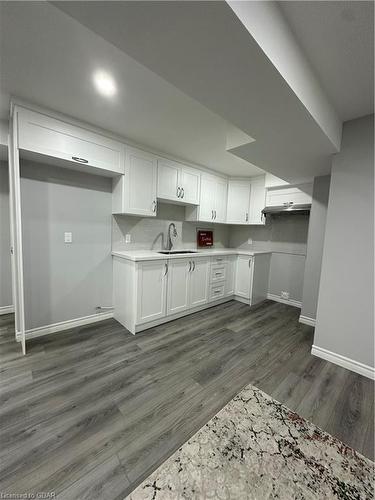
(151, 232)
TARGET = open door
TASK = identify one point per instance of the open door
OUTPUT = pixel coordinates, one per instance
(16, 228)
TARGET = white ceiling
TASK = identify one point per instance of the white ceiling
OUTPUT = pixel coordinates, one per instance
(203, 49)
(48, 58)
(338, 39)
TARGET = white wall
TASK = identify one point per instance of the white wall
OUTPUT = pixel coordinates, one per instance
(345, 315)
(65, 281)
(5, 264)
(315, 242)
(286, 236)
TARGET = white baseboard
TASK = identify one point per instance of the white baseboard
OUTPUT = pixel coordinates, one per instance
(6, 309)
(307, 321)
(338, 359)
(290, 302)
(64, 325)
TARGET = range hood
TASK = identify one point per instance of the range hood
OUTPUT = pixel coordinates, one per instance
(287, 208)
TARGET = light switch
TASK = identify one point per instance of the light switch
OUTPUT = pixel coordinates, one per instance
(68, 237)
(128, 238)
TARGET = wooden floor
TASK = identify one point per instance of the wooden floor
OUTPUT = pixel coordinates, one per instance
(91, 412)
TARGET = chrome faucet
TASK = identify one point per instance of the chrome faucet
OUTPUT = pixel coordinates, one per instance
(169, 238)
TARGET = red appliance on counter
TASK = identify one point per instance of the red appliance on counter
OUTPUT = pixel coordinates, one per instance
(205, 238)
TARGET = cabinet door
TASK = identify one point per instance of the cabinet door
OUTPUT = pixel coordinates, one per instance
(230, 275)
(207, 198)
(168, 179)
(257, 201)
(140, 183)
(298, 195)
(221, 190)
(238, 202)
(199, 276)
(49, 136)
(190, 181)
(151, 290)
(178, 285)
(243, 276)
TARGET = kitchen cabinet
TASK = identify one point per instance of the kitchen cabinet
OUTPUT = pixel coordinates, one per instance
(230, 275)
(213, 200)
(178, 285)
(252, 276)
(135, 192)
(178, 183)
(198, 281)
(243, 276)
(257, 201)
(295, 195)
(238, 205)
(72, 145)
(187, 283)
(151, 290)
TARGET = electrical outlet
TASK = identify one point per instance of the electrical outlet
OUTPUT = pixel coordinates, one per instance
(249, 241)
(68, 237)
(285, 295)
(128, 238)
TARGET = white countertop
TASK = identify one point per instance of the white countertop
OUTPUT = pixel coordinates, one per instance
(139, 255)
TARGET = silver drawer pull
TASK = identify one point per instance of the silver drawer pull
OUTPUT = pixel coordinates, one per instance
(80, 160)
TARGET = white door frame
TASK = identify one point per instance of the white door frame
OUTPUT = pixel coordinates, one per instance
(16, 227)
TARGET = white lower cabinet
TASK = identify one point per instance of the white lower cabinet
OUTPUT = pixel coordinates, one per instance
(243, 276)
(198, 282)
(151, 290)
(148, 293)
(178, 285)
(230, 275)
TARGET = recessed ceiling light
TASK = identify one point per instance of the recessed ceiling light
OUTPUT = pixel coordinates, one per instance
(104, 83)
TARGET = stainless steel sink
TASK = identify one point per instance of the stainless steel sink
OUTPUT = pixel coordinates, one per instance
(171, 252)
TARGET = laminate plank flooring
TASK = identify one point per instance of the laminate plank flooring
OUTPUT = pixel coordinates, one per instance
(91, 412)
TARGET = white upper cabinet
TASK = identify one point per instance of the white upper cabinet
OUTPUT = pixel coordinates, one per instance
(296, 195)
(213, 200)
(257, 201)
(135, 192)
(238, 202)
(190, 183)
(246, 200)
(55, 138)
(178, 183)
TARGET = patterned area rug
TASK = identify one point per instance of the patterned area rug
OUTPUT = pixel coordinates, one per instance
(256, 448)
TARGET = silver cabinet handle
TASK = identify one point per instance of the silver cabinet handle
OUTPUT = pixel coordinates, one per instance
(182, 192)
(215, 214)
(193, 265)
(178, 192)
(166, 269)
(154, 206)
(247, 217)
(80, 160)
(250, 262)
(189, 266)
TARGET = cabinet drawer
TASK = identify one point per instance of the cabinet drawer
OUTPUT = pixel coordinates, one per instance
(48, 136)
(217, 292)
(217, 260)
(218, 272)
